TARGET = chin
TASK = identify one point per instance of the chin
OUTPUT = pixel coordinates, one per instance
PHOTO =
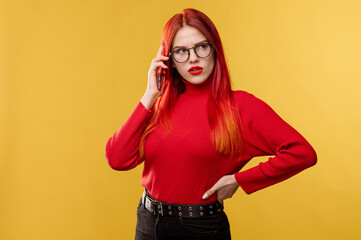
(196, 79)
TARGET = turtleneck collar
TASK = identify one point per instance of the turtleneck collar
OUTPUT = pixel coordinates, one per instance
(197, 89)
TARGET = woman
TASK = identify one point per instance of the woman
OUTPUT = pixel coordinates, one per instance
(196, 134)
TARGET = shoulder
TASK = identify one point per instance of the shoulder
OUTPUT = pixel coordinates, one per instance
(240, 94)
(248, 102)
(241, 97)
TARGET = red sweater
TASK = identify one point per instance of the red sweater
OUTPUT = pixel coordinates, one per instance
(181, 167)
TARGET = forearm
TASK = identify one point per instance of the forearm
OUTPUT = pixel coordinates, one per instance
(148, 99)
(122, 148)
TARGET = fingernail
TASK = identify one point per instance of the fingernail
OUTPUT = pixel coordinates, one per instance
(205, 196)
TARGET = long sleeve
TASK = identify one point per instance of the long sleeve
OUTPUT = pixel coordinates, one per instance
(268, 134)
(122, 148)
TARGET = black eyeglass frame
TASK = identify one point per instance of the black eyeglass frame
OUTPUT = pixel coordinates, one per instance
(189, 52)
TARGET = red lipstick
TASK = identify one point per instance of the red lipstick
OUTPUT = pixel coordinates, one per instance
(195, 70)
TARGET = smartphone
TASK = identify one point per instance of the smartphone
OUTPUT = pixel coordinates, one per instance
(161, 72)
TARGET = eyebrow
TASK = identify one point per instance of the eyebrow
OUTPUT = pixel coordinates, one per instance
(203, 41)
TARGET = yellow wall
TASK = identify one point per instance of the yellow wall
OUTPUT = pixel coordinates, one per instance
(72, 71)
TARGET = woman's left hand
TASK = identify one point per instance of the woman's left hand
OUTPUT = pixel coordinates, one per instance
(225, 187)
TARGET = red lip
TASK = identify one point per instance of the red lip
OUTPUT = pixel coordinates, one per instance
(195, 70)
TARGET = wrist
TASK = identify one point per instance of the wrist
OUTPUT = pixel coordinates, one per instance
(148, 100)
(151, 94)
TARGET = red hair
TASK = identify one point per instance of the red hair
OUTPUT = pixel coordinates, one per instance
(224, 120)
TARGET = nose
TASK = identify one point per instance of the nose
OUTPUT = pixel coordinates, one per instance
(193, 56)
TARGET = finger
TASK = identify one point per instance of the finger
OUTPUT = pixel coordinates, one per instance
(161, 58)
(155, 66)
(210, 192)
(160, 51)
(160, 64)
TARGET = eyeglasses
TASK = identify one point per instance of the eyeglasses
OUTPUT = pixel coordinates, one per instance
(202, 50)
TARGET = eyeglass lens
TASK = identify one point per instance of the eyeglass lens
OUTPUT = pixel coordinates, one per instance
(201, 50)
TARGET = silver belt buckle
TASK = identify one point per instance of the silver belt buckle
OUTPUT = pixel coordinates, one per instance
(153, 206)
(148, 204)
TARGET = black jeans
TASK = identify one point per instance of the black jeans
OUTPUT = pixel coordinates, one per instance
(156, 227)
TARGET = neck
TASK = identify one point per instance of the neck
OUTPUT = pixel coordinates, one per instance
(197, 89)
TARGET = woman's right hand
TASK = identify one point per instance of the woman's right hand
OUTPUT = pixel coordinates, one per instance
(152, 74)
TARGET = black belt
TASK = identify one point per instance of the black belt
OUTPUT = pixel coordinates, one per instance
(182, 210)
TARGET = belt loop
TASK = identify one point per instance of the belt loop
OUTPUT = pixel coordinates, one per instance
(160, 208)
(221, 205)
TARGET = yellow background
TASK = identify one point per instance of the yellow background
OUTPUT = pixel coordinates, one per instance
(72, 72)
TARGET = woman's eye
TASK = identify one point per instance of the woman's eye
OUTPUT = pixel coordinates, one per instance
(202, 46)
(180, 51)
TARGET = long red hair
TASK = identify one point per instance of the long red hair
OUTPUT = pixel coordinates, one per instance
(224, 120)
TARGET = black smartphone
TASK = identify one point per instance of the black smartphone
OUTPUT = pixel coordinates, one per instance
(161, 72)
